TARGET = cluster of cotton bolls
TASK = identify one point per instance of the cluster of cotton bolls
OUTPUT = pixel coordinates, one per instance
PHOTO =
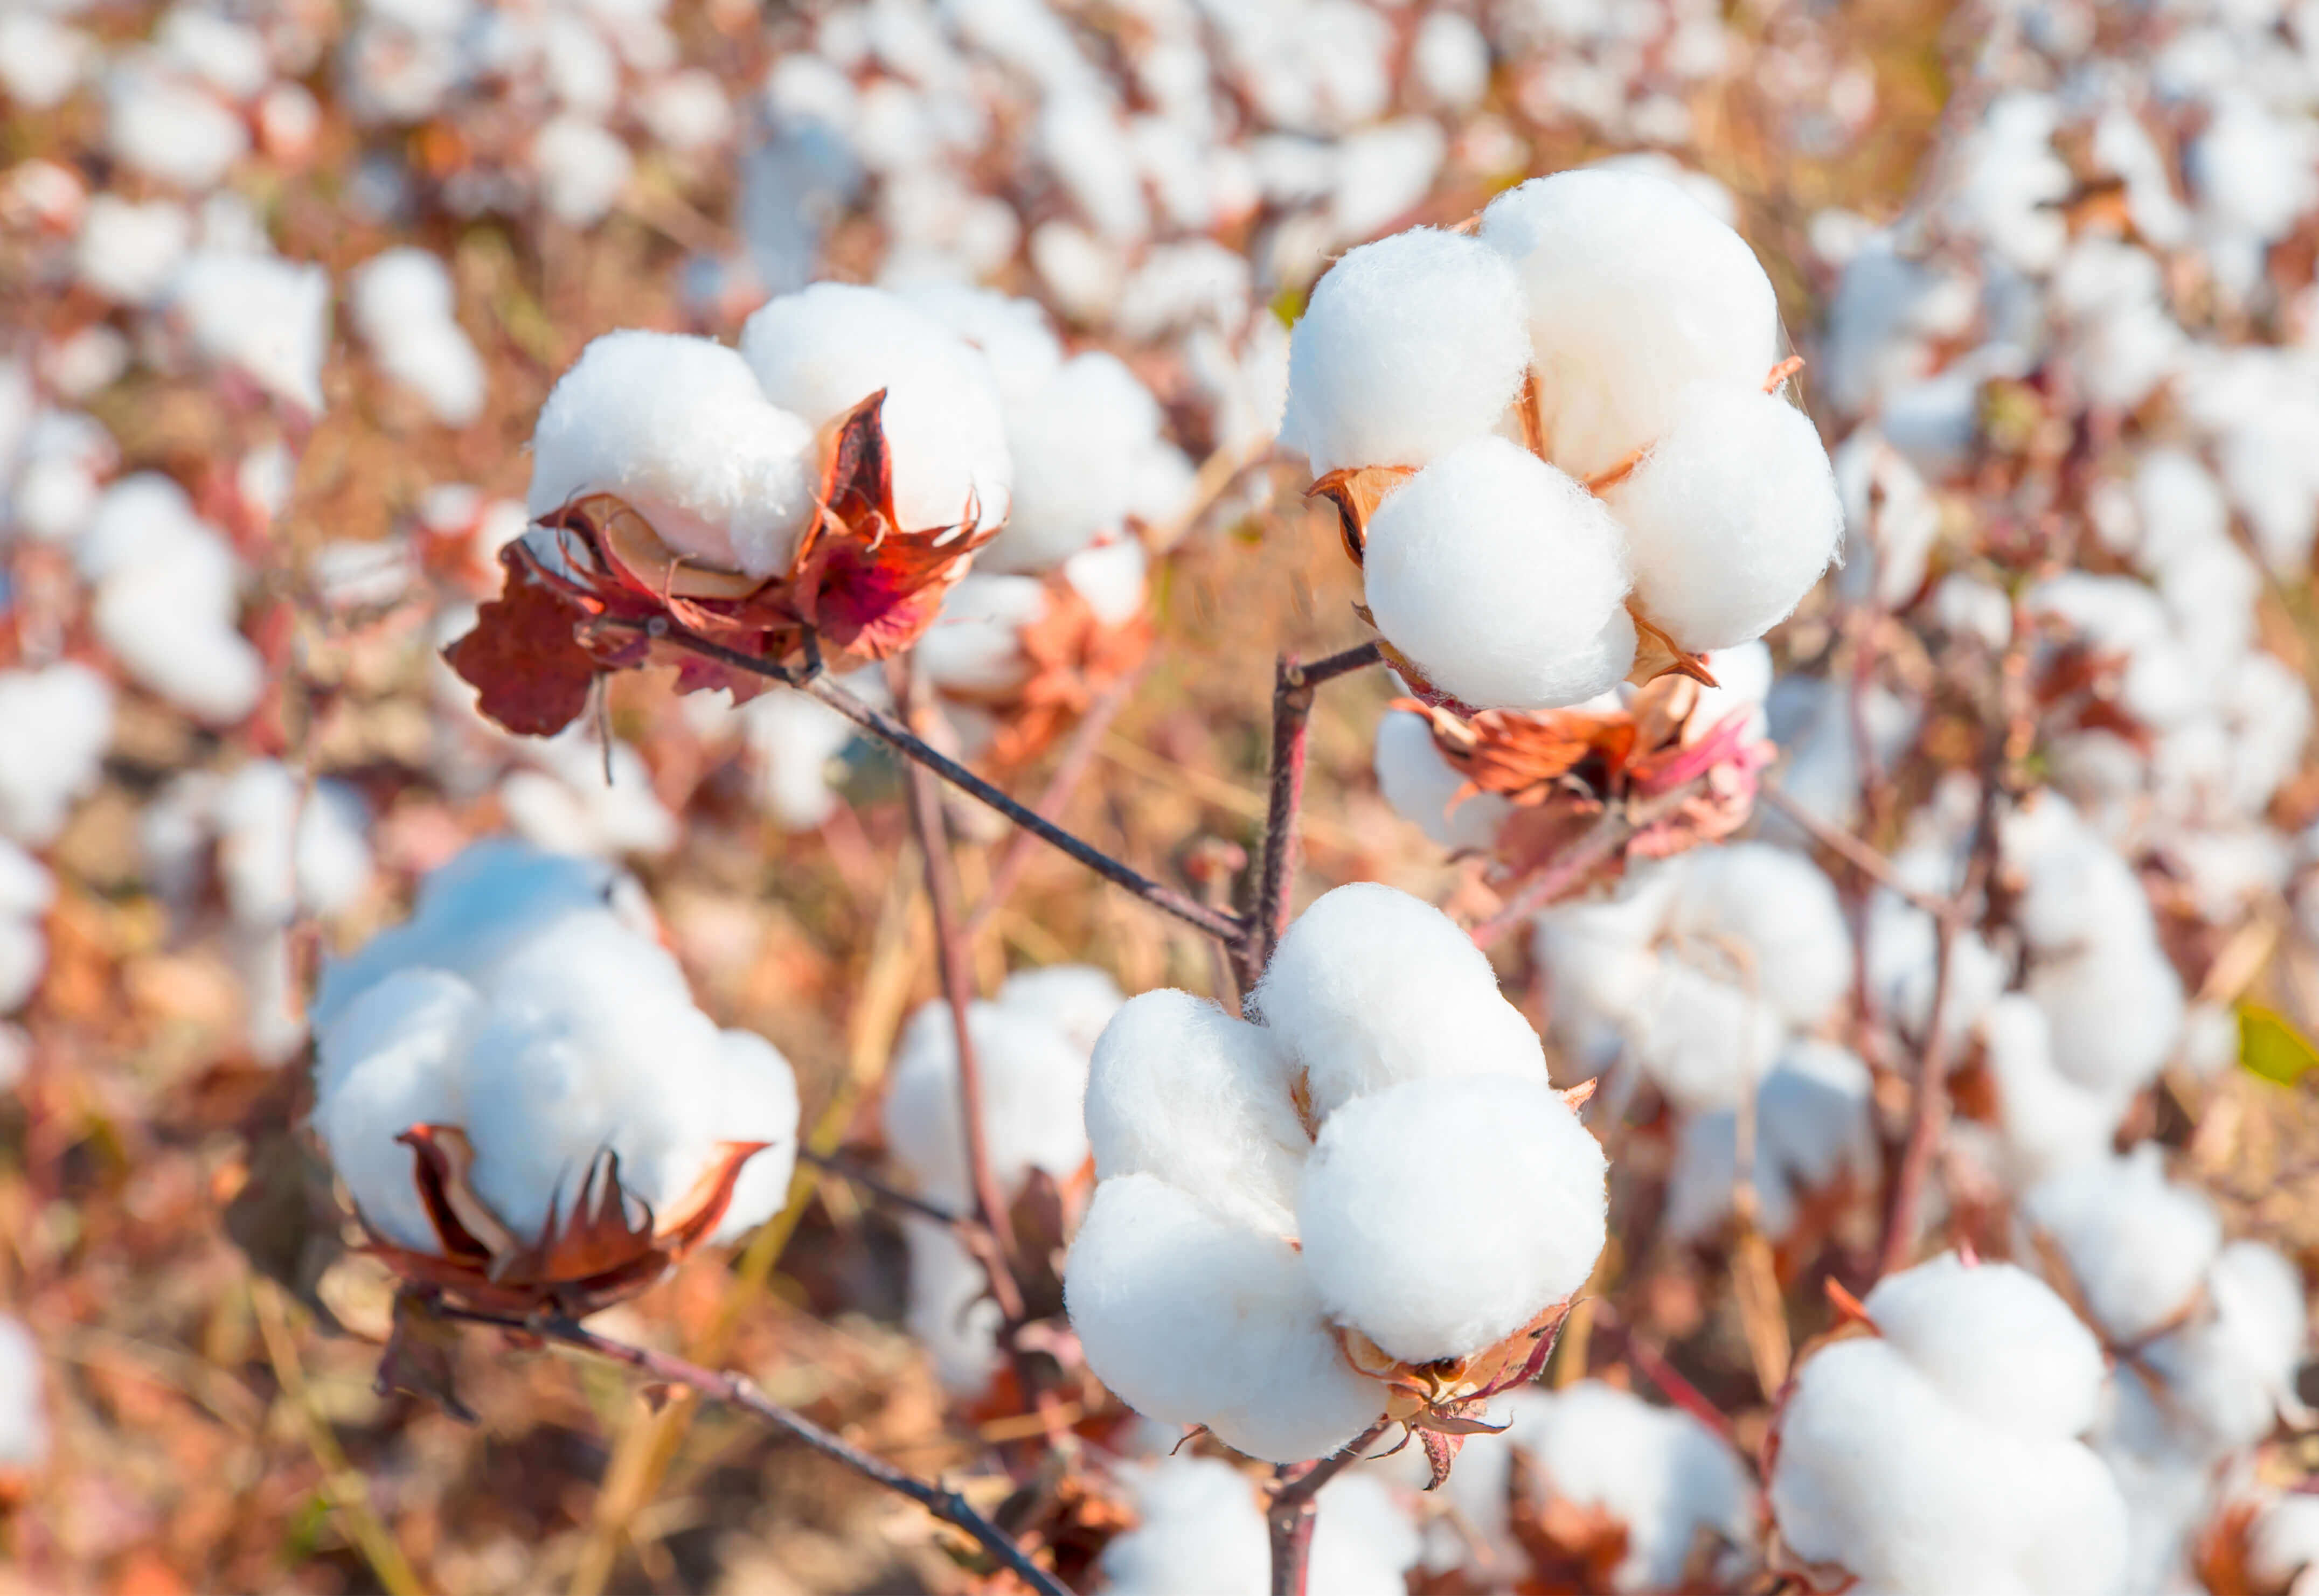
(1266, 1250)
(1199, 1528)
(1030, 1043)
(1570, 407)
(527, 1006)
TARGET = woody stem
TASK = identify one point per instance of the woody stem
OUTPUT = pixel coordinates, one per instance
(1292, 717)
(1224, 927)
(1575, 866)
(737, 1391)
(1289, 1517)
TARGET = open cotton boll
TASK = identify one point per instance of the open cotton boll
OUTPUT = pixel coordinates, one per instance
(678, 428)
(1034, 1080)
(975, 644)
(42, 60)
(796, 740)
(2049, 1122)
(1112, 578)
(2229, 1372)
(582, 169)
(126, 251)
(951, 1313)
(1422, 786)
(1193, 1318)
(1370, 988)
(1427, 1256)
(281, 848)
(1077, 999)
(1501, 579)
(1635, 292)
(169, 621)
(565, 804)
(2115, 1012)
(55, 726)
(168, 128)
(1180, 1090)
(266, 317)
(1364, 1541)
(2137, 1245)
(390, 1058)
(1199, 1528)
(403, 304)
(24, 1422)
(820, 352)
(1701, 1037)
(1997, 1342)
(1410, 346)
(1731, 516)
(757, 1101)
(1768, 919)
(1076, 445)
(1811, 1130)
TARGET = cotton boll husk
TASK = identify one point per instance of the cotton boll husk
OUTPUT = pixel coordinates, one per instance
(974, 645)
(1661, 1474)
(55, 724)
(2050, 1122)
(266, 316)
(677, 427)
(1732, 516)
(1077, 999)
(1422, 786)
(1778, 911)
(1033, 1081)
(1193, 1318)
(1702, 1040)
(402, 303)
(1371, 987)
(951, 1313)
(23, 1423)
(1811, 1126)
(1074, 445)
(1198, 1528)
(2115, 1013)
(1180, 1090)
(1996, 1342)
(1442, 1257)
(2137, 1246)
(391, 1058)
(820, 352)
(1635, 292)
(1410, 346)
(1501, 579)
(759, 1104)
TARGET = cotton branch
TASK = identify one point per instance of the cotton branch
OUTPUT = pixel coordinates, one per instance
(737, 1391)
(1289, 1515)
(1575, 865)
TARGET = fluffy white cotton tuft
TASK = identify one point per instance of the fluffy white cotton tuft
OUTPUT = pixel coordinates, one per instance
(1635, 292)
(403, 303)
(266, 316)
(820, 352)
(1425, 788)
(1813, 1128)
(24, 1417)
(1032, 1082)
(1411, 345)
(1731, 518)
(1996, 1342)
(1075, 443)
(2137, 1246)
(55, 724)
(1440, 1257)
(1501, 579)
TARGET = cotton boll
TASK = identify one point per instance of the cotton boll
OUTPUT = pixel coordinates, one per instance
(1903, 950)
(1501, 580)
(1997, 1342)
(1812, 1129)
(390, 1060)
(1180, 1090)
(1033, 1081)
(758, 1102)
(1768, 919)
(128, 251)
(1364, 1542)
(582, 169)
(975, 644)
(1450, 59)
(1371, 987)
(169, 622)
(55, 726)
(1075, 445)
(1701, 1038)
(166, 128)
(2115, 1013)
(268, 317)
(1111, 578)
(951, 1313)
(1198, 1528)
(1440, 1257)
(678, 428)
(1425, 788)
(820, 352)
(1410, 346)
(403, 303)
(2049, 1122)
(1634, 293)
(42, 60)
(2229, 1372)
(23, 1424)
(2137, 1246)
(1732, 516)
(795, 739)
(1077, 999)
(1192, 1318)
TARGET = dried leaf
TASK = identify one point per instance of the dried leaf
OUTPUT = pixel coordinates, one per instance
(523, 658)
(1357, 491)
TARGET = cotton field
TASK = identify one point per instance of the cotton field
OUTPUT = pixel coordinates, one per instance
(1272, 798)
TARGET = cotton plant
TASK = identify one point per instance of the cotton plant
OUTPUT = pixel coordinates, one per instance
(1268, 1256)
(1552, 443)
(1032, 1043)
(1943, 1448)
(522, 1100)
(1199, 1527)
(165, 596)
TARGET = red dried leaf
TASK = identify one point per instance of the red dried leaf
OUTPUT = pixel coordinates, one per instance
(523, 657)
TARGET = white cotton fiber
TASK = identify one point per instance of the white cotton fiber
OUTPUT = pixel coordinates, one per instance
(1812, 1128)
(951, 1313)
(757, 1101)
(582, 166)
(2115, 1013)
(166, 127)
(1370, 988)
(1766, 918)
(391, 1060)
(23, 1421)
(1501, 579)
(820, 352)
(1996, 1342)
(1199, 1528)
(1424, 787)
(403, 304)
(678, 428)
(2137, 1246)
(975, 644)
(2049, 1122)
(127, 250)
(796, 740)
(1193, 1318)
(1112, 577)
(1012, 334)
(1440, 1255)
(55, 724)
(266, 317)
(1078, 1000)
(1732, 516)
(1032, 1082)
(1075, 444)
(1410, 346)
(1702, 1038)
(1635, 292)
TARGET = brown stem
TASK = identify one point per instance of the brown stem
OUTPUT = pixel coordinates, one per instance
(1079, 757)
(958, 991)
(910, 746)
(737, 1391)
(1292, 718)
(1575, 865)
(1289, 1516)
(1854, 851)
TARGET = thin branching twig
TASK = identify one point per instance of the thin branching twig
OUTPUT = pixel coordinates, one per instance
(1289, 1515)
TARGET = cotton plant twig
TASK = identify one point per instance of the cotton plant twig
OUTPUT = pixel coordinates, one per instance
(738, 1391)
(1292, 685)
(916, 748)
(1289, 1515)
(852, 1174)
(1575, 866)
(1854, 852)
